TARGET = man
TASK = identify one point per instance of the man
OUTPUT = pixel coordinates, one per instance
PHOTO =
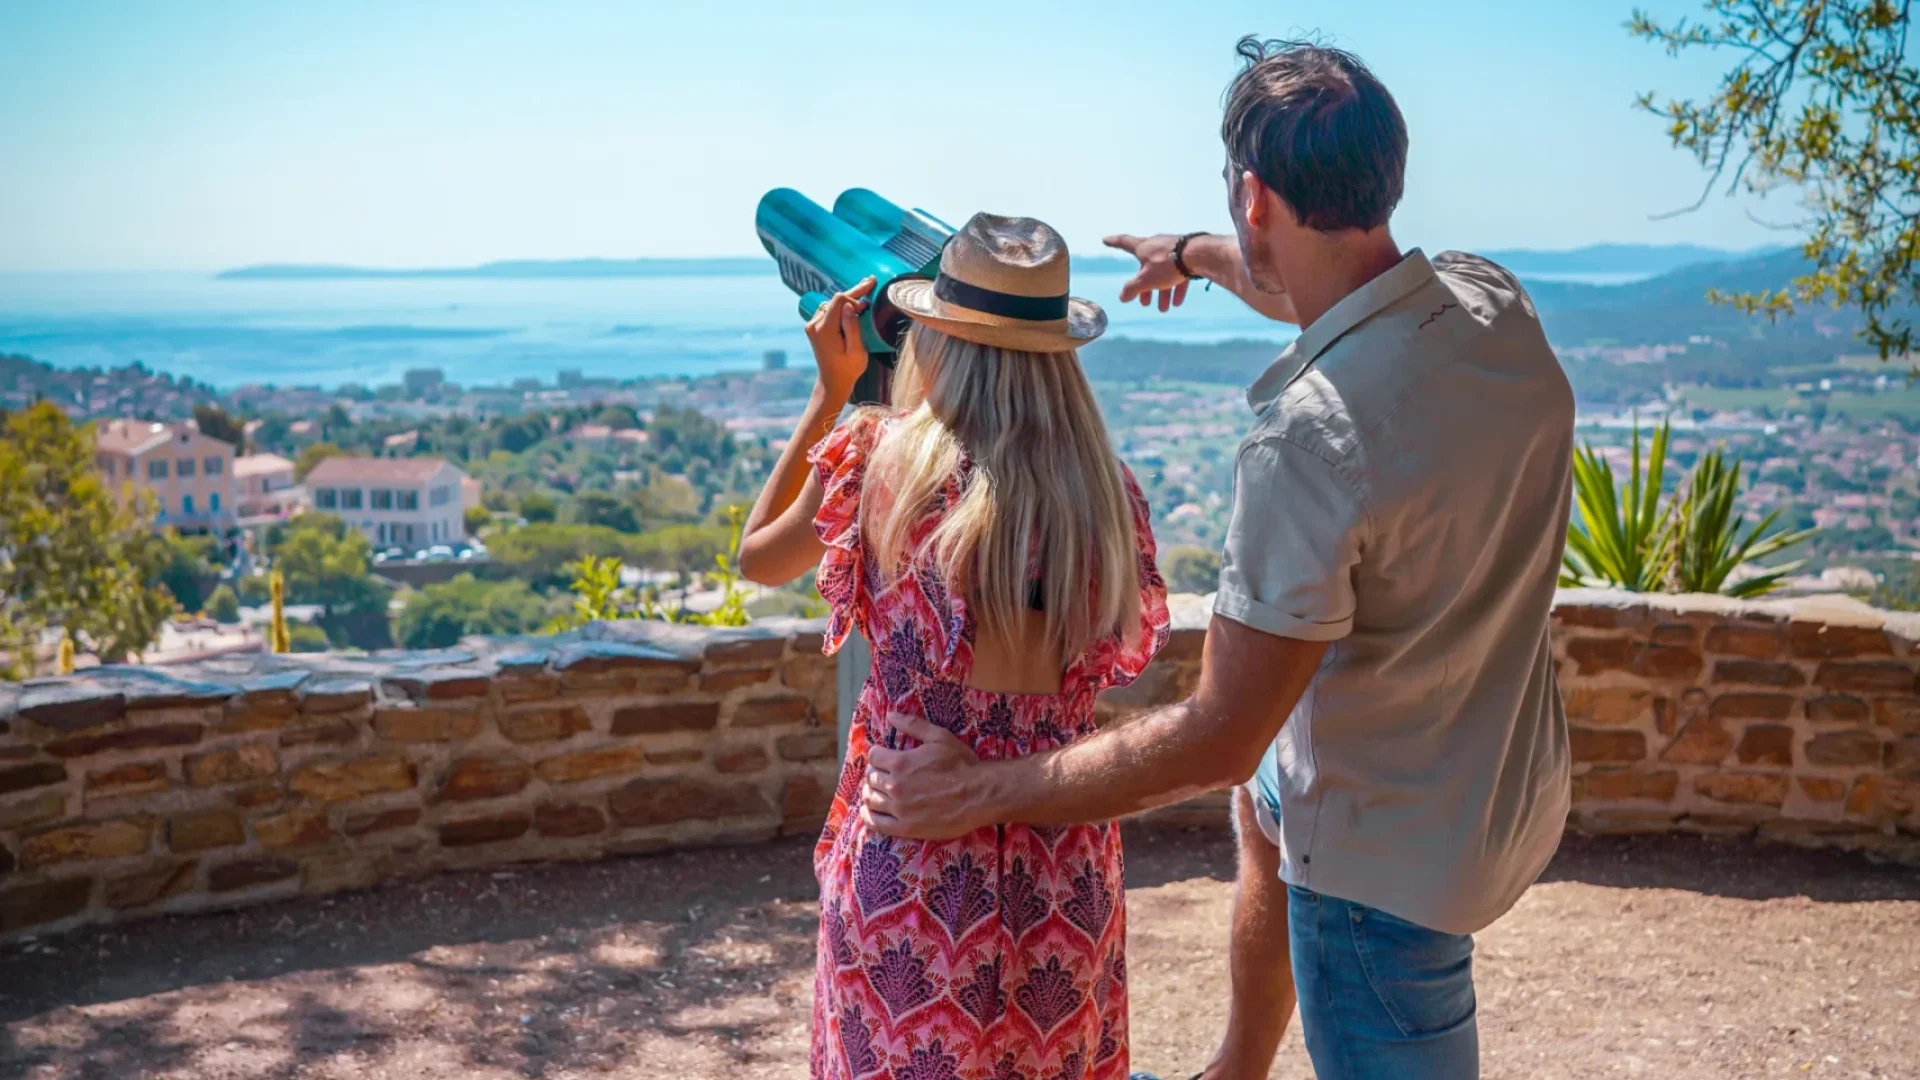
(1400, 506)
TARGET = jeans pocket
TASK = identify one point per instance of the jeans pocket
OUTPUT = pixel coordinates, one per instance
(1423, 978)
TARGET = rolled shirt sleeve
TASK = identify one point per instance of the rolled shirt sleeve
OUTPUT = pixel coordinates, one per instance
(1292, 544)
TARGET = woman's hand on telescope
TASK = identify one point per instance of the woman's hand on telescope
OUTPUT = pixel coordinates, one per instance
(834, 333)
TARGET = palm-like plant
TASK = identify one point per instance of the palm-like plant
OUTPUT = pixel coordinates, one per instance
(1621, 535)
(1711, 545)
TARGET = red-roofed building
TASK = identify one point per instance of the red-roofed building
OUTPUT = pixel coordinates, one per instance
(190, 475)
(396, 502)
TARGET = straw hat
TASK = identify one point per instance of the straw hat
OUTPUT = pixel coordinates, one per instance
(1003, 281)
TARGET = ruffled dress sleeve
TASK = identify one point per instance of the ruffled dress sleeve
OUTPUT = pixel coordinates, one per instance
(1134, 648)
(840, 463)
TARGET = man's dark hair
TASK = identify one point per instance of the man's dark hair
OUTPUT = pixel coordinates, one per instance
(1315, 126)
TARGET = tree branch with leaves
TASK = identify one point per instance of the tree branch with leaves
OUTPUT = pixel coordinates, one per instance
(1823, 98)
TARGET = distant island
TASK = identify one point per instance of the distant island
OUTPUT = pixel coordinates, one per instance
(515, 268)
(1646, 259)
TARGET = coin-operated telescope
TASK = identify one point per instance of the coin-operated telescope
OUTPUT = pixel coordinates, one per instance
(821, 253)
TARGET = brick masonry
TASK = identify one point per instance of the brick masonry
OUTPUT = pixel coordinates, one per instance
(129, 791)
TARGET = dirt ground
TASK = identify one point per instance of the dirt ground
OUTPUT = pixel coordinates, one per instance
(1656, 957)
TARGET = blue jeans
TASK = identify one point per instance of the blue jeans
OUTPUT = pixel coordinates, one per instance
(1381, 998)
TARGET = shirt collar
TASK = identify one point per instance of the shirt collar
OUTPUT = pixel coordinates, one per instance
(1410, 273)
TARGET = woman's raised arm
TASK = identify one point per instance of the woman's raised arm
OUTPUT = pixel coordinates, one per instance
(777, 543)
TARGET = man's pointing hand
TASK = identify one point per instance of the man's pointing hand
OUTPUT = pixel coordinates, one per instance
(1158, 277)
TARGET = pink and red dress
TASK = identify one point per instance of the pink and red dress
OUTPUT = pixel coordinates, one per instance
(1000, 955)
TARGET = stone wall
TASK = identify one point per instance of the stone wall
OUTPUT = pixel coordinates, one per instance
(127, 791)
(1798, 720)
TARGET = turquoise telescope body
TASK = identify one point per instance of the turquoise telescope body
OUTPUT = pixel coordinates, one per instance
(821, 253)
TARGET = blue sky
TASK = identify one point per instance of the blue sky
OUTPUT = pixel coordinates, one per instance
(200, 134)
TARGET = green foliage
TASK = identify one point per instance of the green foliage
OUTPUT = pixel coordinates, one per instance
(223, 605)
(604, 509)
(438, 616)
(254, 590)
(1711, 544)
(1625, 535)
(542, 554)
(1898, 588)
(1190, 569)
(216, 423)
(71, 554)
(683, 549)
(732, 610)
(306, 637)
(190, 568)
(539, 508)
(599, 596)
(617, 417)
(1823, 97)
(681, 435)
(327, 563)
(518, 434)
(313, 455)
(1623, 538)
(477, 518)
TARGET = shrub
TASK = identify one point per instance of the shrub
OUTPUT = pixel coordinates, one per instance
(223, 605)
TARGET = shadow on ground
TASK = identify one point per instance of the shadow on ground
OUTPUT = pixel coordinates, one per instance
(699, 964)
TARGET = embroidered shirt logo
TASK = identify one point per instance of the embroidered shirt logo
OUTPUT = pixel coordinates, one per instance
(1442, 311)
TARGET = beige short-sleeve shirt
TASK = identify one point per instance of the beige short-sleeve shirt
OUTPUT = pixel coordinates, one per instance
(1403, 496)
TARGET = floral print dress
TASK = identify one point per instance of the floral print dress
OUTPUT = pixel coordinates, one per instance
(1000, 955)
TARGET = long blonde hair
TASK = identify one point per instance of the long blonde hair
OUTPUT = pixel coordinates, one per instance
(1044, 494)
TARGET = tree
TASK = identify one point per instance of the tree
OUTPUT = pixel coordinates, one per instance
(603, 508)
(216, 423)
(189, 569)
(326, 563)
(306, 637)
(313, 455)
(71, 554)
(538, 506)
(541, 554)
(1823, 97)
(476, 518)
(518, 433)
(617, 417)
(223, 605)
(684, 549)
(1191, 569)
(438, 616)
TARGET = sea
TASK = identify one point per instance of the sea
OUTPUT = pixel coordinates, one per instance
(480, 331)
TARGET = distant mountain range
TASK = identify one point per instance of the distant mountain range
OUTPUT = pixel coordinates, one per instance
(1594, 259)
(1618, 258)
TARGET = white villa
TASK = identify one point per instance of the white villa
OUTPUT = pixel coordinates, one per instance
(405, 502)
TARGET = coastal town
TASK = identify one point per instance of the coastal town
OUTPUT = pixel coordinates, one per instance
(1836, 453)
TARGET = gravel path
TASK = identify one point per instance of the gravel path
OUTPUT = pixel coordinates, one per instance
(1657, 957)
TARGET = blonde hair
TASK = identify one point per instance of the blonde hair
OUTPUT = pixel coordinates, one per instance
(1044, 495)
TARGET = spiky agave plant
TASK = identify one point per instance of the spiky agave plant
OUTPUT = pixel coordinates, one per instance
(1622, 534)
(1711, 545)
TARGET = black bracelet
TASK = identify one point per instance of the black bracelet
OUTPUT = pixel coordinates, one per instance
(1180, 255)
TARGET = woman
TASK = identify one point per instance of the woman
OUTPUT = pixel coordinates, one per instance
(982, 535)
